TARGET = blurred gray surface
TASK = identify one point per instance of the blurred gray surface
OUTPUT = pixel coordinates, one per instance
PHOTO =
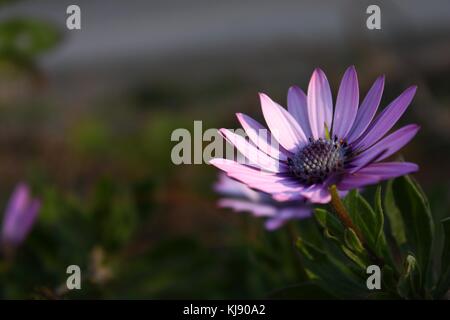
(117, 29)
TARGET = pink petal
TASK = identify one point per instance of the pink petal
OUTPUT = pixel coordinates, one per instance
(346, 103)
(258, 210)
(357, 180)
(385, 147)
(282, 125)
(375, 173)
(17, 205)
(367, 110)
(29, 218)
(388, 170)
(230, 187)
(317, 194)
(283, 197)
(320, 104)
(260, 180)
(386, 120)
(261, 137)
(20, 215)
(298, 108)
(255, 156)
(314, 194)
(285, 215)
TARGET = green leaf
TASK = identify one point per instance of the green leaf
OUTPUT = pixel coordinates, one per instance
(381, 247)
(368, 222)
(379, 217)
(409, 283)
(444, 281)
(352, 241)
(418, 221)
(445, 262)
(354, 249)
(394, 216)
(331, 274)
(345, 239)
(332, 227)
(354, 257)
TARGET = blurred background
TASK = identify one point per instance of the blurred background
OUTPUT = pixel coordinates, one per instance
(86, 117)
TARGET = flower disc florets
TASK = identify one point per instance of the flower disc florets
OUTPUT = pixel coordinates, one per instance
(320, 158)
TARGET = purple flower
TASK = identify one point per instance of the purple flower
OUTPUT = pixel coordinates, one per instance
(319, 147)
(19, 217)
(239, 197)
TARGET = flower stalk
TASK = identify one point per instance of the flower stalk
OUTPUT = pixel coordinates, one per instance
(344, 216)
(342, 213)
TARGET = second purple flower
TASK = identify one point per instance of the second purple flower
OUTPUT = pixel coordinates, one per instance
(20, 215)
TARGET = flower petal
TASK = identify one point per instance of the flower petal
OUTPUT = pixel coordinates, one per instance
(28, 219)
(388, 170)
(386, 120)
(298, 108)
(18, 202)
(285, 215)
(283, 197)
(261, 137)
(346, 103)
(385, 147)
(317, 194)
(375, 173)
(255, 156)
(282, 125)
(320, 104)
(367, 110)
(257, 209)
(260, 180)
(229, 187)
(20, 215)
(14, 213)
(357, 180)
(314, 194)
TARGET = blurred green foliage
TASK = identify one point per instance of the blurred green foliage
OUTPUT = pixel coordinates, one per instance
(23, 39)
(139, 265)
(26, 37)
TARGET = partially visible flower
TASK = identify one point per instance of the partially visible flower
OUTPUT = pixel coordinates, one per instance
(20, 215)
(321, 146)
(240, 198)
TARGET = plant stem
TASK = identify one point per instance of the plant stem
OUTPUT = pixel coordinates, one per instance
(342, 213)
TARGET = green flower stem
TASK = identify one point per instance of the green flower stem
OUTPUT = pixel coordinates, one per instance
(342, 213)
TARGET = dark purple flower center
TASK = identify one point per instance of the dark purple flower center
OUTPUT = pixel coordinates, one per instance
(318, 160)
